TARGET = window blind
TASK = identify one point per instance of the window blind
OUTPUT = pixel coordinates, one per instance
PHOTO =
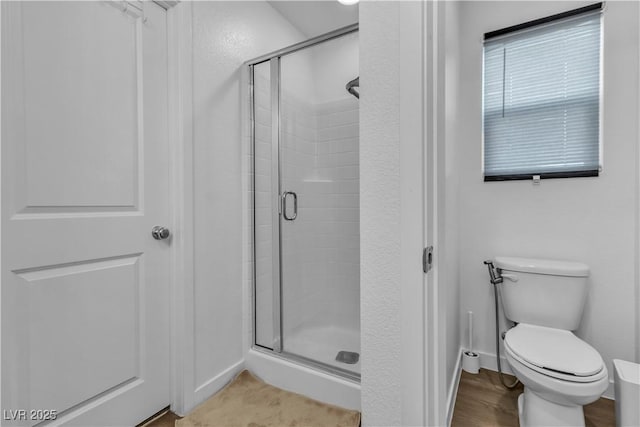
(542, 100)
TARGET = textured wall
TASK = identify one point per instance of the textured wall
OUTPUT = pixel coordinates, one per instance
(380, 285)
(225, 35)
(592, 220)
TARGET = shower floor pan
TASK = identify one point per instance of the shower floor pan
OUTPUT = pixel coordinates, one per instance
(324, 344)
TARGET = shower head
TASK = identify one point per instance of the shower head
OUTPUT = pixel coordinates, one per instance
(352, 85)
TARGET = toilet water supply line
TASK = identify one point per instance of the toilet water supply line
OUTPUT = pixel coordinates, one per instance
(495, 279)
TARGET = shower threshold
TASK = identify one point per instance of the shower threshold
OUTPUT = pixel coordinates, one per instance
(332, 369)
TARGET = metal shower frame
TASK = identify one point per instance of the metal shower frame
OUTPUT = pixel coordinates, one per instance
(274, 62)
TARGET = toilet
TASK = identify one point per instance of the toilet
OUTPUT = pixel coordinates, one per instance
(559, 371)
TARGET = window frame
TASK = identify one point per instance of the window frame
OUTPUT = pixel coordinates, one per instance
(596, 7)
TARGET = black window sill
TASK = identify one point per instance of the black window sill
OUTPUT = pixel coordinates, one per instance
(551, 175)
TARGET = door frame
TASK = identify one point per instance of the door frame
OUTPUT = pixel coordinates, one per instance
(421, 113)
(181, 191)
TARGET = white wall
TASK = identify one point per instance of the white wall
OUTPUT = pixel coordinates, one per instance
(225, 35)
(586, 219)
(380, 285)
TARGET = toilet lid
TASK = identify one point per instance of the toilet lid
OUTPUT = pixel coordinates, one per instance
(554, 349)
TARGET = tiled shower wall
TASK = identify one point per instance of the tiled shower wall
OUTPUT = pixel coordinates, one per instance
(320, 249)
(300, 266)
(337, 229)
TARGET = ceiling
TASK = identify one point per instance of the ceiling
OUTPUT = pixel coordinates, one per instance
(314, 17)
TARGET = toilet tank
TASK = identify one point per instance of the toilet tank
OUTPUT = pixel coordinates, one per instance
(543, 292)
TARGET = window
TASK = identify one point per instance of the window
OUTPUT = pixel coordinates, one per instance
(542, 98)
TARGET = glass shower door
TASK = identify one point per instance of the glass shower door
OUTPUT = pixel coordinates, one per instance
(319, 196)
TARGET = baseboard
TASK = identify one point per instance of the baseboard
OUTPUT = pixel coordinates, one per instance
(609, 392)
(453, 390)
(489, 361)
(215, 384)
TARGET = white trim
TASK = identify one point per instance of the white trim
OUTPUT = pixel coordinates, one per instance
(433, 131)
(179, 34)
(415, 375)
(637, 233)
(186, 392)
(421, 127)
(2, 6)
(609, 393)
(455, 385)
(421, 130)
(438, 180)
(215, 384)
(488, 361)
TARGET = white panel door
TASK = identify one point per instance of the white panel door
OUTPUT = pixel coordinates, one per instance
(85, 308)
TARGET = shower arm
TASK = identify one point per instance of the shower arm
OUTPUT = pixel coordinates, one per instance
(352, 85)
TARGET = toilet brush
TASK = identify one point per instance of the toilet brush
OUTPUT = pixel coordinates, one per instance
(470, 359)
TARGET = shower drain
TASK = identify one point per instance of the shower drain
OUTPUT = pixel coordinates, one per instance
(349, 357)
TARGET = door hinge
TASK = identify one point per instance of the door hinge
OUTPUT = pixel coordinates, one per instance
(427, 259)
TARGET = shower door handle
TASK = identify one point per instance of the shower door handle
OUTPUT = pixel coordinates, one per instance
(284, 205)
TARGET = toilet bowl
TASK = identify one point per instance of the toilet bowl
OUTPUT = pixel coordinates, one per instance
(560, 372)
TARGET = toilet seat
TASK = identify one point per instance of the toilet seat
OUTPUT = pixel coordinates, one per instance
(555, 352)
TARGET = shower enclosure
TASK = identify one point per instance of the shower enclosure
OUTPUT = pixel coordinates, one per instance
(305, 145)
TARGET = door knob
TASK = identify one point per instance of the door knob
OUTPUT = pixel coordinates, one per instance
(160, 233)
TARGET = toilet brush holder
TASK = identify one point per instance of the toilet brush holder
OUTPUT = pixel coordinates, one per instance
(470, 359)
(471, 362)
